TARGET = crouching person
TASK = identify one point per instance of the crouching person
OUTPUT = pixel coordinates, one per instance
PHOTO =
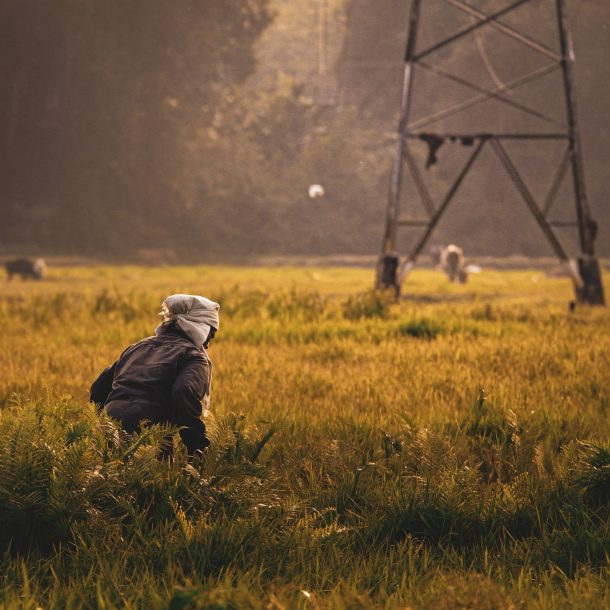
(167, 377)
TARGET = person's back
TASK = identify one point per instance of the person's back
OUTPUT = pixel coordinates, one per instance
(163, 379)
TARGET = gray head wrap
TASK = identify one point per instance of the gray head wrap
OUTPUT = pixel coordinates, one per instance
(193, 314)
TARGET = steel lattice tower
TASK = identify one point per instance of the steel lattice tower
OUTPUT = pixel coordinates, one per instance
(392, 268)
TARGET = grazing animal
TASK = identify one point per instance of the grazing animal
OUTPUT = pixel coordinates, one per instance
(27, 268)
(452, 262)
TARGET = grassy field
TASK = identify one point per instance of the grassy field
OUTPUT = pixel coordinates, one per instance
(450, 451)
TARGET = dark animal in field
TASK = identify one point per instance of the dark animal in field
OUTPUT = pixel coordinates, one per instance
(27, 268)
(452, 262)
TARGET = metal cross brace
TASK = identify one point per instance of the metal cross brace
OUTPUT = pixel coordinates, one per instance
(389, 269)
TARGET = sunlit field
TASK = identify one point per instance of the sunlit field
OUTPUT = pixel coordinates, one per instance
(448, 451)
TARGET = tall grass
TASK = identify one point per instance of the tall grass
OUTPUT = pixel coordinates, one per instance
(438, 453)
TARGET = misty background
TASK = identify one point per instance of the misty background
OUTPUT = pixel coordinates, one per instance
(190, 130)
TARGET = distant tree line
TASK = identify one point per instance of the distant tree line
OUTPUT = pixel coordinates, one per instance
(104, 106)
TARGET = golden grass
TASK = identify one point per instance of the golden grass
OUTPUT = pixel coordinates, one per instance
(345, 378)
(508, 332)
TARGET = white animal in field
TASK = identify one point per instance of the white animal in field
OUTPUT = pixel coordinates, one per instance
(40, 267)
(452, 263)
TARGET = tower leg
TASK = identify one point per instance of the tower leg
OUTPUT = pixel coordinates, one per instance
(387, 266)
(591, 291)
(387, 273)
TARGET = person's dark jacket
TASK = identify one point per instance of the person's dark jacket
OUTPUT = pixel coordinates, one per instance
(161, 379)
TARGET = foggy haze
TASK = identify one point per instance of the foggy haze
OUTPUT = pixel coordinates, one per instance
(192, 131)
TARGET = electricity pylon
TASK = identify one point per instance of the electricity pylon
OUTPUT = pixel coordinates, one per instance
(584, 272)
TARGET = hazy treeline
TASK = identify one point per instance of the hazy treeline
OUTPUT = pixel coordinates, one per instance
(195, 128)
(104, 110)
